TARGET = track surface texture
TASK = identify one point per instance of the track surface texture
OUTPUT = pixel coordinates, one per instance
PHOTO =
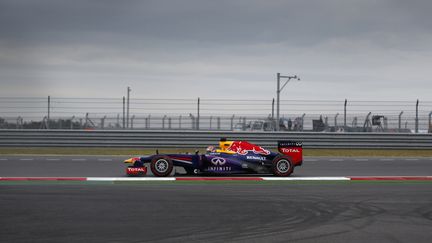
(285, 212)
(112, 166)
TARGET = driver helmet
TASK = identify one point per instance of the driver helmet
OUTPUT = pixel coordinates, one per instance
(210, 149)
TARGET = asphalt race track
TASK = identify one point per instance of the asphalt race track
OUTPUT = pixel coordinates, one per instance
(197, 211)
(112, 166)
(345, 212)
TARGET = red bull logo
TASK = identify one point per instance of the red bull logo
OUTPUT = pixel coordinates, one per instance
(243, 148)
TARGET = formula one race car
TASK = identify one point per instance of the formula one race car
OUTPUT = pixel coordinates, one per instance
(232, 157)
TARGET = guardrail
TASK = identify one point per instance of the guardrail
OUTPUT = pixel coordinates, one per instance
(201, 139)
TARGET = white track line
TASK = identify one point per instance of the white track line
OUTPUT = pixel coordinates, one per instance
(411, 159)
(306, 178)
(336, 159)
(130, 179)
(143, 179)
(26, 159)
(3, 159)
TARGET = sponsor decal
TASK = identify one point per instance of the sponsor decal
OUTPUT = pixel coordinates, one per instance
(219, 168)
(218, 161)
(256, 157)
(290, 144)
(290, 150)
(136, 169)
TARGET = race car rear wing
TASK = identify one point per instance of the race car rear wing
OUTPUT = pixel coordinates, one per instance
(292, 149)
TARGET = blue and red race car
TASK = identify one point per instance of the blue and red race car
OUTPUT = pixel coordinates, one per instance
(232, 157)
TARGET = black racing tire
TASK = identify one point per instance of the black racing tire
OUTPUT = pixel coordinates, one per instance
(161, 166)
(282, 166)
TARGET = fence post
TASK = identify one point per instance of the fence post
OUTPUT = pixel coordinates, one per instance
(86, 120)
(163, 121)
(326, 123)
(18, 122)
(273, 103)
(198, 115)
(400, 121)
(193, 121)
(416, 119)
(127, 112)
(103, 122)
(430, 124)
(335, 121)
(354, 122)
(345, 106)
(302, 121)
(124, 111)
(49, 108)
(118, 121)
(232, 122)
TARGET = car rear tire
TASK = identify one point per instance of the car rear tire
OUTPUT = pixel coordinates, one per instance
(161, 166)
(282, 166)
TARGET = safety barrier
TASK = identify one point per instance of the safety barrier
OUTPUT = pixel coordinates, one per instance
(201, 139)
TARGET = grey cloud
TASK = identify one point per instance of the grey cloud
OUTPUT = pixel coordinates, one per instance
(236, 22)
(341, 48)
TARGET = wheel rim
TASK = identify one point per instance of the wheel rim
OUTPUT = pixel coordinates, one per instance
(162, 166)
(283, 166)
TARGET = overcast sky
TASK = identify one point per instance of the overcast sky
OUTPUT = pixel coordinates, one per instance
(361, 50)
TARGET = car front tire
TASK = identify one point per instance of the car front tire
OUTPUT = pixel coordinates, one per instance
(161, 166)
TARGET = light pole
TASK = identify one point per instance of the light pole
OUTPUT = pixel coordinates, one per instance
(278, 90)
